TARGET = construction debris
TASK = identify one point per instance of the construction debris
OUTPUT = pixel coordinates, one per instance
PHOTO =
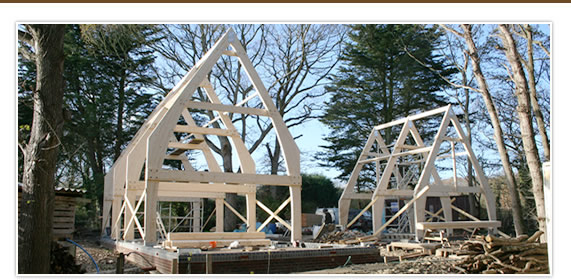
(494, 255)
(422, 265)
(335, 235)
(428, 248)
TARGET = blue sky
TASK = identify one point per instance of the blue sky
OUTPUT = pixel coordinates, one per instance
(312, 134)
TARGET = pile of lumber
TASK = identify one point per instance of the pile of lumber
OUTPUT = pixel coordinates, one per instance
(207, 240)
(494, 255)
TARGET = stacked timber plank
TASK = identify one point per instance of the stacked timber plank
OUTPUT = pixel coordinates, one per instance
(214, 239)
(65, 202)
(64, 217)
(493, 255)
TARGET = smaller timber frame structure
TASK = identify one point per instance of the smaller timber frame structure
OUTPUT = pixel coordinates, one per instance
(139, 178)
(406, 169)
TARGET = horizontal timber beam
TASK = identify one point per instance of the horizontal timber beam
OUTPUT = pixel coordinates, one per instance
(362, 196)
(197, 187)
(204, 130)
(184, 146)
(226, 108)
(182, 195)
(412, 118)
(437, 191)
(224, 177)
(215, 235)
(411, 152)
(453, 139)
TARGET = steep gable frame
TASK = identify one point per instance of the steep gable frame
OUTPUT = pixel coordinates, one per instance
(391, 182)
(152, 143)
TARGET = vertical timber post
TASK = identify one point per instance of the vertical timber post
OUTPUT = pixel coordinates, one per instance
(219, 214)
(208, 264)
(151, 213)
(295, 193)
(195, 216)
(445, 203)
(115, 215)
(344, 204)
(419, 207)
(130, 234)
(251, 211)
(378, 211)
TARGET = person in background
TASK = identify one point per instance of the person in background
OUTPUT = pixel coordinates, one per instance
(327, 219)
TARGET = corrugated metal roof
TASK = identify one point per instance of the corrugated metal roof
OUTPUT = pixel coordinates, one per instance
(69, 190)
(61, 190)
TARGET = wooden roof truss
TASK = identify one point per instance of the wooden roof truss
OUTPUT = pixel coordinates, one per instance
(157, 141)
(406, 169)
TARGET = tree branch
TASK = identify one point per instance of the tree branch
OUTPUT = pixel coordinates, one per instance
(540, 44)
(26, 37)
(440, 75)
(22, 148)
(451, 30)
(508, 72)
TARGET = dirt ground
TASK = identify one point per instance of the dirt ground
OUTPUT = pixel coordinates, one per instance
(424, 265)
(106, 259)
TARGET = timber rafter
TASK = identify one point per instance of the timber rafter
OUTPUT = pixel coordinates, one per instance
(407, 169)
(163, 137)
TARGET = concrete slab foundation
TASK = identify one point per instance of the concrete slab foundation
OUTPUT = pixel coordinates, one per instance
(264, 261)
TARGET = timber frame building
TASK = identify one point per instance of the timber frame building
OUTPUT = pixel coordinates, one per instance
(139, 179)
(407, 169)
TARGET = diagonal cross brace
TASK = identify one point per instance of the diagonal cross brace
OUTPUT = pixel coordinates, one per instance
(272, 215)
(275, 213)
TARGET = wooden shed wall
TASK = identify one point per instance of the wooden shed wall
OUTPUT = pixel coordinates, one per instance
(63, 217)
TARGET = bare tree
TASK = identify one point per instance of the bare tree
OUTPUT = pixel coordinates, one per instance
(296, 60)
(498, 133)
(41, 151)
(527, 33)
(300, 59)
(525, 120)
(460, 59)
(182, 47)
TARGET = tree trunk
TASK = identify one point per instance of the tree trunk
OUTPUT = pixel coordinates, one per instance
(526, 125)
(533, 94)
(120, 110)
(35, 220)
(470, 177)
(275, 164)
(498, 134)
(230, 219)
(96, 166)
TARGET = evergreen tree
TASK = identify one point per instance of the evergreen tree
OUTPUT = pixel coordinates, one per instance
(106, 99)
(108, 96)
(379, 82)
(318, 191)
(41, 150)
